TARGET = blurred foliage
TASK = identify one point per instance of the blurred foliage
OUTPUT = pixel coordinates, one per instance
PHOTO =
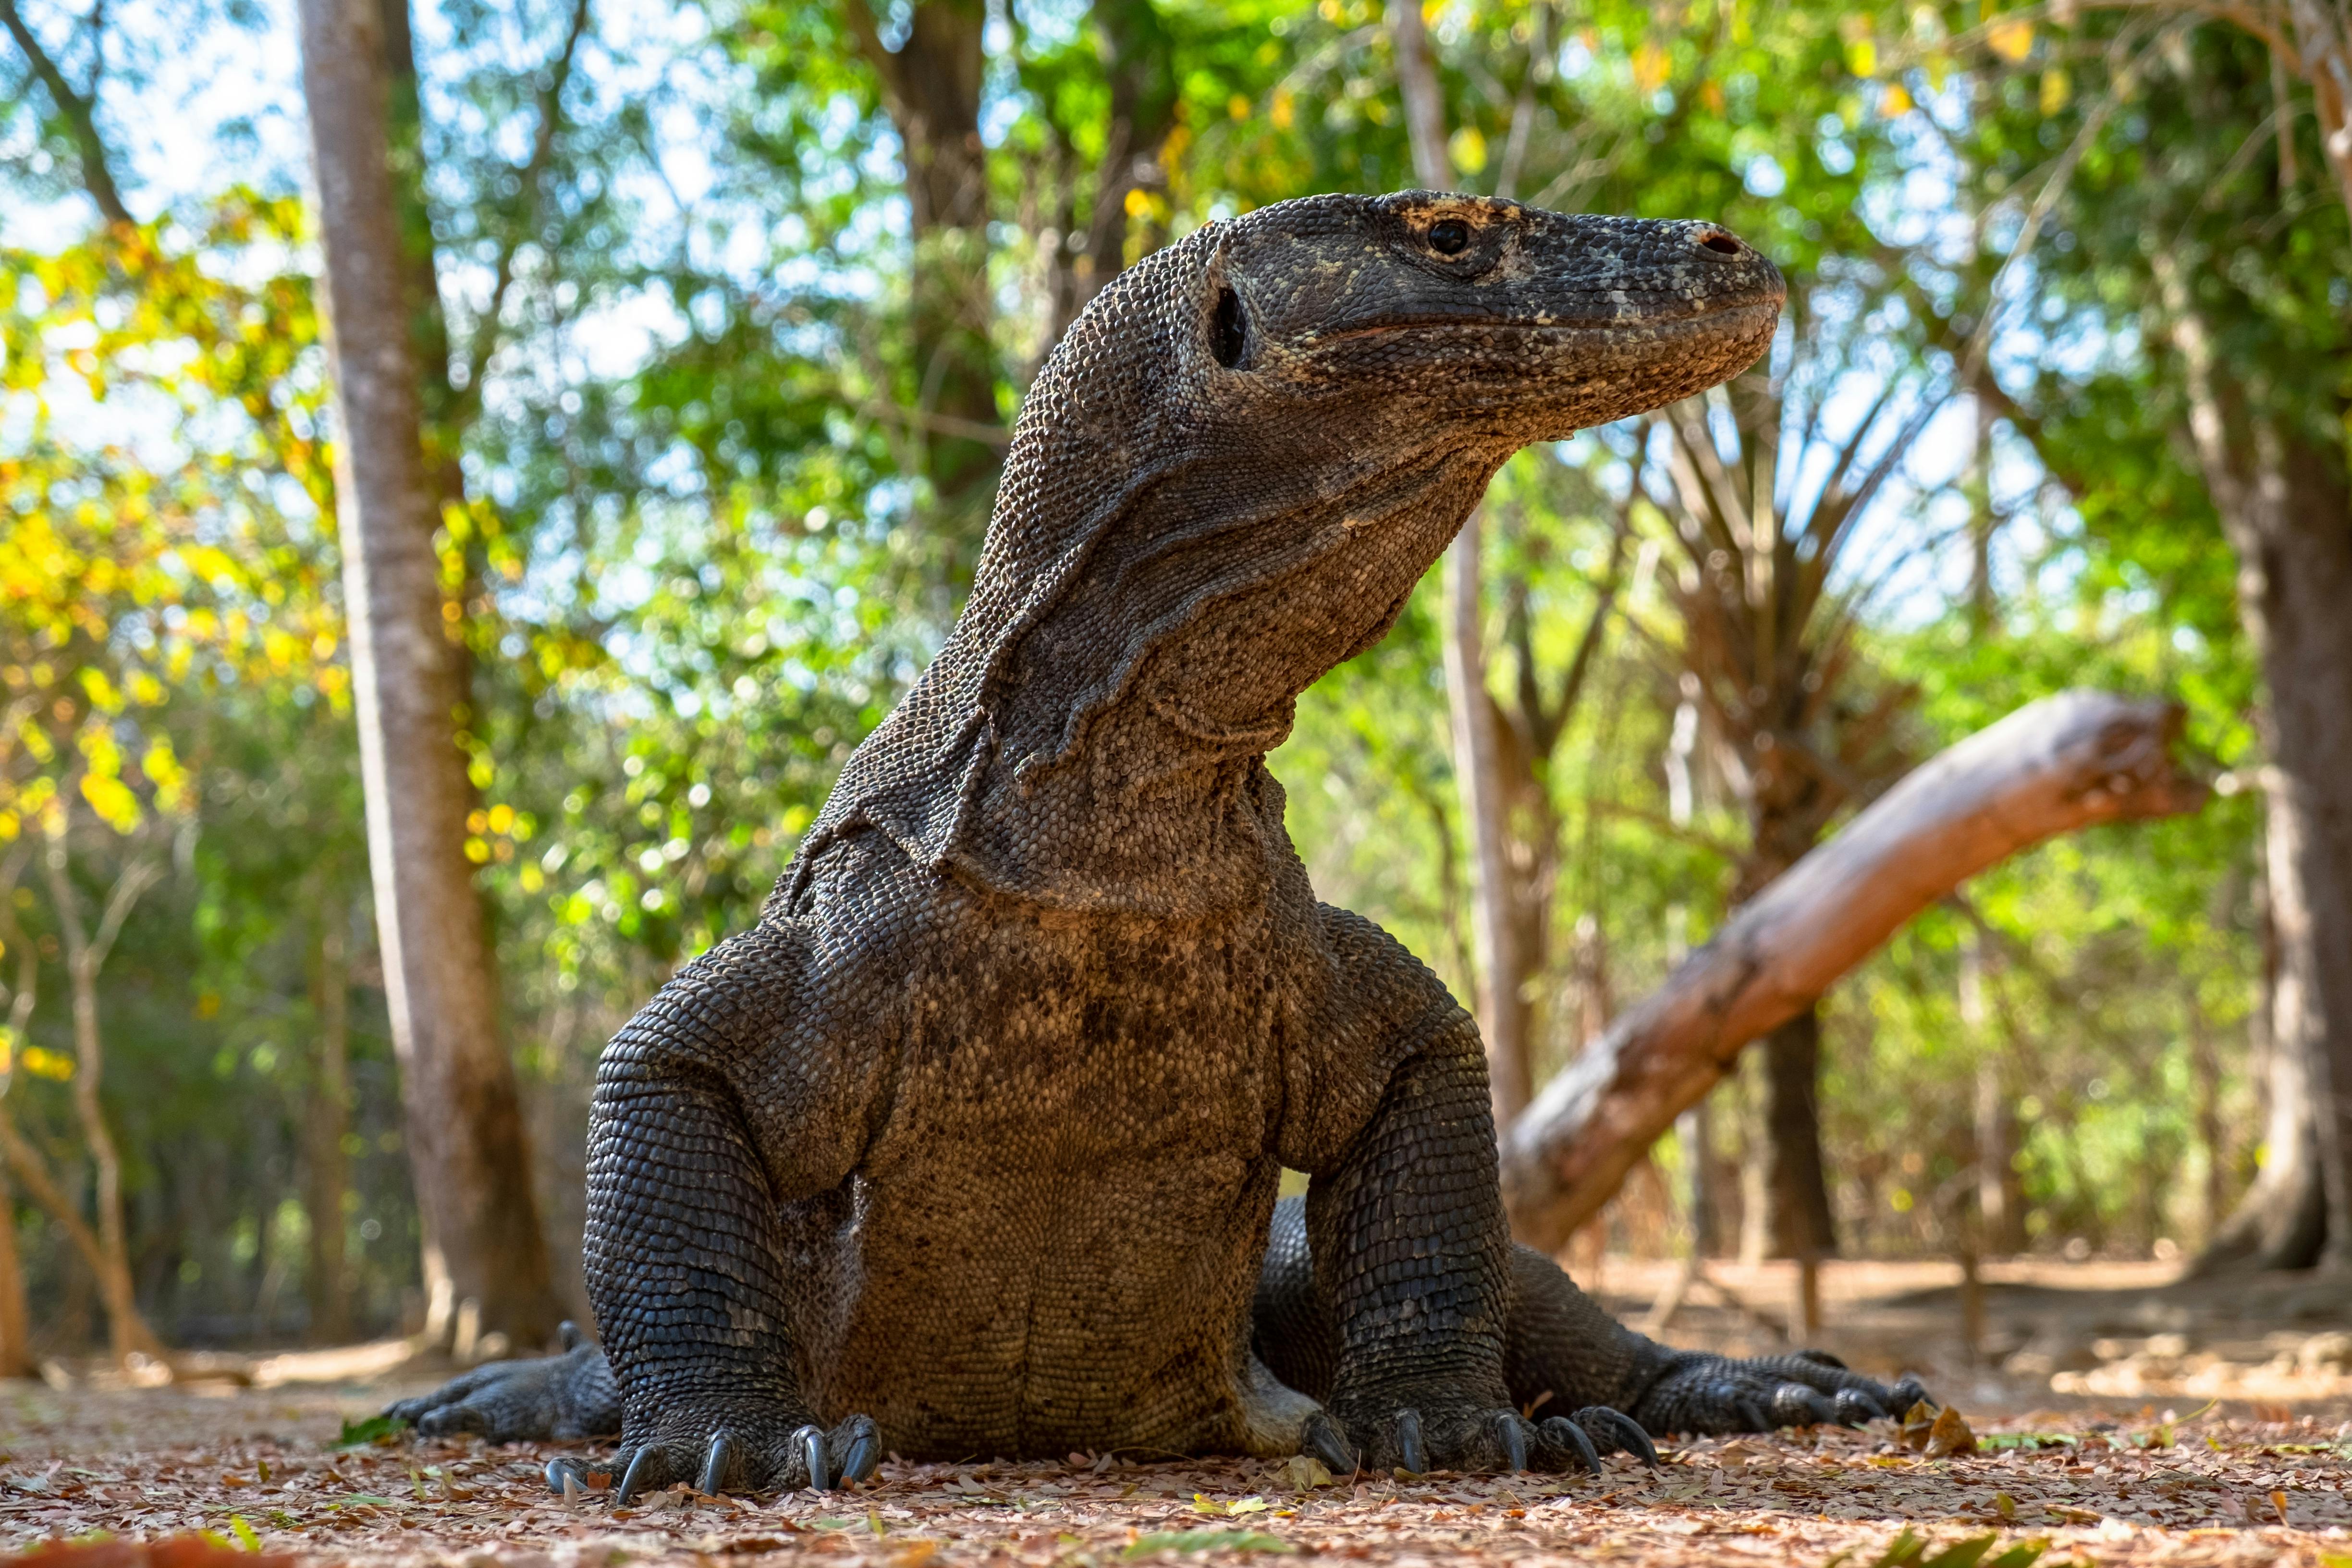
(693, 565)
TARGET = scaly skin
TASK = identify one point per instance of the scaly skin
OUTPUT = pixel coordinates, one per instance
(970, 1145)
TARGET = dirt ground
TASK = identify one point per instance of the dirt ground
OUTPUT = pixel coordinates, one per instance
(2121, 1420)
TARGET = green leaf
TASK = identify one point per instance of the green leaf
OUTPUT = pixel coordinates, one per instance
(2025, 1552)
(1903, 1552)
(357, 1433)
(1207, 1541)
(1964, 1553)
(244, 1532)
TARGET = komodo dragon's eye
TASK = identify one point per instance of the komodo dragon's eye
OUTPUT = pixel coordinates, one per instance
(1448, 237)
(1229, 332)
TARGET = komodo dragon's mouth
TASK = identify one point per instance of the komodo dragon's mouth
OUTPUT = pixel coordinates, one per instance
(1684, 314)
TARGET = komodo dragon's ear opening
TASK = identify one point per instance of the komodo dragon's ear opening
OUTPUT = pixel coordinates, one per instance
(1229, 330)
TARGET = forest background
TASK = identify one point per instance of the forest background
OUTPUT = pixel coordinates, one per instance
(724, 310)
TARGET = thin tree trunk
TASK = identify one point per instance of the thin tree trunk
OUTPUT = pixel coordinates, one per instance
(2064, 762)
(1502, 1003)
(86, 953)
(2205, 1073)
(16, 1314)
(1794, 1220)
(326, 1121)
(1788, 1213)
(2284, 506)
(466, 1141)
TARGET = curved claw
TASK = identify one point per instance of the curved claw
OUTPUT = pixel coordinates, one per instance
(1321, 1437)
(1751, 1414)
(861, 1452)
(1513, 1431)
(561, 1467)
(810, 1440)
(1796, 1406)
(1856, 1406)
(1411, 1450)
(1622, 1431)
(1567, 1433)
(714, 1466)
(647, 1469)
(568, 1335)
(1821, 1358)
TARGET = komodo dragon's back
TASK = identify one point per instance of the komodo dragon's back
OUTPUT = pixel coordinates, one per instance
(971, 1145)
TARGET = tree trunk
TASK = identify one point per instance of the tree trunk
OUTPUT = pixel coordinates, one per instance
(2067, 762)
(1138, 63)
(2283, 503)
(1787, 1213)
(466, 1139)
(931, 86)
(326, 1121)
(1792, 1218)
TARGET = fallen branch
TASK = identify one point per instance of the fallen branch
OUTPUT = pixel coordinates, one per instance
(2067, 762)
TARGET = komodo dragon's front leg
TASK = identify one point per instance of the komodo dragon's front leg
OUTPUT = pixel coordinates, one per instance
(1404, 1222)
(1395, 1295)
(716, 1107)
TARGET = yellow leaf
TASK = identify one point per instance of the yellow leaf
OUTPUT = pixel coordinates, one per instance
(2012, 40)
(50, 1065)
(1862, 57)
(1894, 102)
(1238, 107)
(2057, 88)
(1283, 109)
(1650, 67)
(1468, 149)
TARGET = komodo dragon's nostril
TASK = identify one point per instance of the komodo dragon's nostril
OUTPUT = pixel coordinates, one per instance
(1722, 243)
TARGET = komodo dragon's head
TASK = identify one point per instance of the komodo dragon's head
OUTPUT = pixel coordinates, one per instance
(1228, 478)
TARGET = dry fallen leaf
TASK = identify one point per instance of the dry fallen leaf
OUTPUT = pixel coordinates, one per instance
(1950, 1435)
(1917, 1423)
(1304, 1472)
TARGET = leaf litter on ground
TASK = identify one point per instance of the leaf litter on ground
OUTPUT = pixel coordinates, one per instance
(265, 1473)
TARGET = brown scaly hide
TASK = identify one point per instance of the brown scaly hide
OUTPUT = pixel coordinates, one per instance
(971, 1146)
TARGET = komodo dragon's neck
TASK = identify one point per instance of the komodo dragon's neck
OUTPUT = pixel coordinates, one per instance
(1227, 480)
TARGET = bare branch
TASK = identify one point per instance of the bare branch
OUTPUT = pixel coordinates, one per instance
(81, 113)
(530, 175)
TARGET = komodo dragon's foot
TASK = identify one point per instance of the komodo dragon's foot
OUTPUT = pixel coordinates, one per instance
(1711, 1395)
(560, 1397)
(738, 1446)
(1433, 1434)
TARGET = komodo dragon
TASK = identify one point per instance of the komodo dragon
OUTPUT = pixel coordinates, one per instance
(970, 1145)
